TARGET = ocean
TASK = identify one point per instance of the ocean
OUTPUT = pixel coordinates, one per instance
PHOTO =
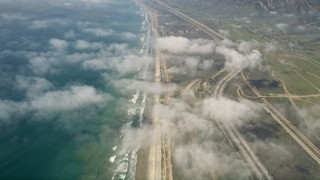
(61, 116)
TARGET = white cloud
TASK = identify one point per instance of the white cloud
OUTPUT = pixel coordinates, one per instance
(236, 60)
(79, 57)
(98, 2)
(129, 35)
(206, 158)
(58, 44)
(95, 64)
(184, 65)
(246, 46)
(207, 149)
(33, 85)
(43, 24)
(72, 3)
(70, 34)
(206, 64)
(234, 112)
(178, 119)
(228, 43)
(98, 32)
(64, 100)
(40, 65)
(118, 49)
(58, 102)
(189, 65)
(130, 63)
(273, 12)
(180, 45)
(310, 123)
(123, 64)
(300, 28)
(9, 110)
(94, 1)
(130, 85)
(83, 45)
(282, 26)
(273, 152)
(118, 55)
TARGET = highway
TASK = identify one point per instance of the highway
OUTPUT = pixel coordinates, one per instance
(232, 134)
(278, 117)
(159, 157)
(154, 171)
(166, 141)
(216, 36)
(221, 85)
(303, 141)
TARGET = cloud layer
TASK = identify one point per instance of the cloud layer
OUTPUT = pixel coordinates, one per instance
(179, 45)
(200, 149)
(241, 58)
(237, 58)
(58, 101)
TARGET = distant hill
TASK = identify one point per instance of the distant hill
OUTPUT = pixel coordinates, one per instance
(298, 7)
(289, 6)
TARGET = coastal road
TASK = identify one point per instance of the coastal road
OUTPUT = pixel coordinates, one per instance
(159, 158)
(154, 156)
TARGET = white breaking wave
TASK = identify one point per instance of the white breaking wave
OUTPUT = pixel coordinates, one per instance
(126, 154)
(143, 105)
(112, 158)
(131, 111)
(122, 176)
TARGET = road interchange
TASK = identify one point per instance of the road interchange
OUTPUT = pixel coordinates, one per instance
(304, 142)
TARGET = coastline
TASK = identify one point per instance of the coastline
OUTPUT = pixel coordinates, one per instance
(148, 164)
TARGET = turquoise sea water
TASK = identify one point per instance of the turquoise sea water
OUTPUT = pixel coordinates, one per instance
(49, 127)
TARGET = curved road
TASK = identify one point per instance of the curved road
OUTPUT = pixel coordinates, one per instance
(231, 133)
(305, 143)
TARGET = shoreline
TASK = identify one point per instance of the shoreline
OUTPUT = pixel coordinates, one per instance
(148, 164)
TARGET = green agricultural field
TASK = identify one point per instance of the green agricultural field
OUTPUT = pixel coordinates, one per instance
(311, 78)
(286, 67)
(307, 101)
(284, 101)
(306, 66)
(296, 84)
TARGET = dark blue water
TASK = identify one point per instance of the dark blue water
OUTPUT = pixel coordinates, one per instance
(59, 120)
